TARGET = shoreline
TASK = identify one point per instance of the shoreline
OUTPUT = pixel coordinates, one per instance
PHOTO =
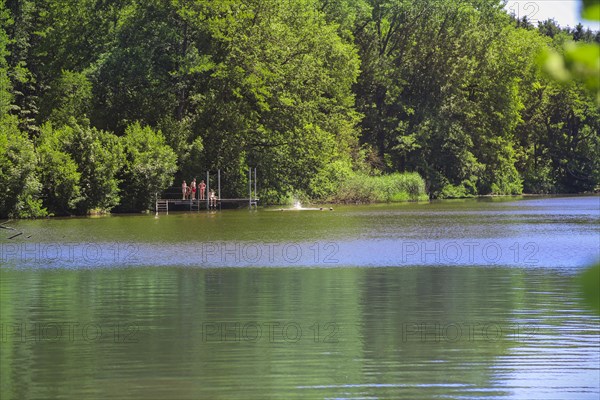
(315, 205)
(481, 196)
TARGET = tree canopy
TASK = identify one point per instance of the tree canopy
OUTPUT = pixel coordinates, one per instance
(103, 104)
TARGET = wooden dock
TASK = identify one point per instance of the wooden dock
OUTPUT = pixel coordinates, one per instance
(164, 205)
(193, 204)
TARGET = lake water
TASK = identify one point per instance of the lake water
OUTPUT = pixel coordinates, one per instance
(454, 299)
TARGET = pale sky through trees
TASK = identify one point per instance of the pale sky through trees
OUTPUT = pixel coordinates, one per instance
(565, 12)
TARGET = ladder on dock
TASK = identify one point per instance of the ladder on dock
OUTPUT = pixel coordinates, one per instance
(162, 205)
(252, 200)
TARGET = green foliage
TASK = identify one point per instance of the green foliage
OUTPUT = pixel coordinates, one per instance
(455, 192)
(502, 175)
(98, 156)
(579, 61)
(5, 85)
(178, 135)
(572, 142)
(280, 91)
(21, 28)
(313, 93)
(439, 89)
(70, 98)
(20, 194)
(590, 10)
(149, 167)
(135, 78)
(589, 282)
(327, 180)
(362, 188)
(539, 178)
(57, 171)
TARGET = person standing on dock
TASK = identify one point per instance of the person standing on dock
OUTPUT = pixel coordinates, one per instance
(184, 189)
(212, 199)
(194, 189)
(202, 187)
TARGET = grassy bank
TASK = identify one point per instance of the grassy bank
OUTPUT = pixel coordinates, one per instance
(396, 187)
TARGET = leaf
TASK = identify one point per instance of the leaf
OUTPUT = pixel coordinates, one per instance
(591, 10)
(589, 282)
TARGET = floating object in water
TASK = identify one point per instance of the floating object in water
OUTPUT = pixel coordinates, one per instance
(14, 236)
(305, 209)
(298, 207)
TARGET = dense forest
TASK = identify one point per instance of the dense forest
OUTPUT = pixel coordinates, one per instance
(104, 103)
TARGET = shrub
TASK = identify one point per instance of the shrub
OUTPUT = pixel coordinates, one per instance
(98, 156)
(149, 167)
(396, 187)
(58, 172)
(20, 187)
(326, 181)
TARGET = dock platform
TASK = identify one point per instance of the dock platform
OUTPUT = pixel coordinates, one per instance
(164, 205)
(173, 196)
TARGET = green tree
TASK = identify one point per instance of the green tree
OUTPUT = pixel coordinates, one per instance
(69, 97)
(25, 18)
(98, 155)
(20, 194)
(572, 123)
(5, 85)
(149, 167)
(311, 92)
(279, 97)
(146, 69)
(57, 171)
(434, 92)
(558, 132)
